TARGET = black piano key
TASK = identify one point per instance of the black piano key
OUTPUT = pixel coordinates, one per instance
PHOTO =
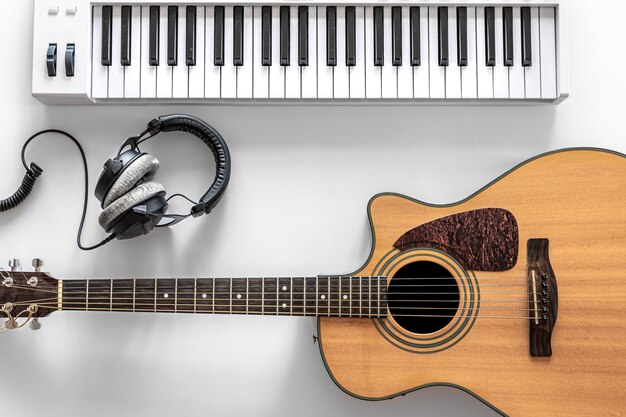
(379, 37)
(303, 36)
(527, 55)
(191, 36)
(396, 36)
(414, 14)
(266, 35)
(331, 36)
(172, 35)
(238, 36)
(155, 15)
(507, 13)
(285, 29)
(490, 36)
(107, 35)
(350, 36)
(218, 36)
(126, 35)
(461, 31)
(442, 18)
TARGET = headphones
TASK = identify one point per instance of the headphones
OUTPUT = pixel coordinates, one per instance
(133, 203)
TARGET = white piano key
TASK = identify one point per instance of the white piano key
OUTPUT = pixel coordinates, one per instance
(180, 73)
(229, 71)
(453, 71)
(116, 70)
(405, 71)
(341, 74)
(148, 72)
(277, 72)
(468, 73)
(421, 73)
(500, 72)
(164, 74)
(132, 73)
(516, 72)
(244, 72)
(196, 72)
(292, 72)
(389, 72)
(213, 73)
(532, 74)
(548, 52)
(437, 73)
(357, 72)
(260, 73)
(484, 73)
(324, 72)
(100, 74)
(309, 73)
(372, 72)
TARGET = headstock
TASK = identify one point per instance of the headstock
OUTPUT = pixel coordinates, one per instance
(26, 296)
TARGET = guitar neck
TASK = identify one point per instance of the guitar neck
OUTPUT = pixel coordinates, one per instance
(335, 296)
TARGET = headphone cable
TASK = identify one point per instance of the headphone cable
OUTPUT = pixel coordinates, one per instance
(33, 172)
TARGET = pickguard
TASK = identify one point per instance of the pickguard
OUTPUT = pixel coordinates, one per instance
(480, 240)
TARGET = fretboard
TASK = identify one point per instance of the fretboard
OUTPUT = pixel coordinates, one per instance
(336, 296)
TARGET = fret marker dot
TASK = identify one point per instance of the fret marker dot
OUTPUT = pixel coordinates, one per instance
(323, 297)
(166, 295)
(203, 295)
(284, 305)
(345, 297)
(238, 296)
(284, 288)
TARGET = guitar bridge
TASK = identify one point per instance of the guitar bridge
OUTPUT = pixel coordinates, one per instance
(543, 298)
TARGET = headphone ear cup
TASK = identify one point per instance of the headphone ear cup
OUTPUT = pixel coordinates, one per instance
(141, 170)
(134, 224)
(122, 207)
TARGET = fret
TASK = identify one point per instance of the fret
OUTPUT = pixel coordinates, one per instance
(100, 298)
(145, 290)
(195, 295)
(333, 296)
(134, 288)
(378, 293)
(87, 297)
(239, 295)
(364, 299)
(121, 295)
(317, 300)
(297, 296)
(247, 295)
(185, 295)
(74, 294)
(155, 295)
(176, 296)
(355, 296)
(369, 291)
(222, 295)
(339, 285)
(285, 296)
(270, 302)
(310, 299)
(204, 299)
(323, 299)
(291, 296)
(230, 296)
(345, 299)
(350, 295)
(255, 296)
(111, 296)
(263, 296)
(165, 291)
(304, 296)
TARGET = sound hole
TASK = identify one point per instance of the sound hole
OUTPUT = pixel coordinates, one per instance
(423, 297)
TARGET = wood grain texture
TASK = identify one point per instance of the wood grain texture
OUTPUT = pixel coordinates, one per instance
(577, 200)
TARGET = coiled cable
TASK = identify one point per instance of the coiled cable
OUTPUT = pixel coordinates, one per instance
(34, 171)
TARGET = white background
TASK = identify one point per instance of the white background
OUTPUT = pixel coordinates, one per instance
(301, 180)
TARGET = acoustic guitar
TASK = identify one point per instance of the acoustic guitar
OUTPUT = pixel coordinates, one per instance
(516, 294)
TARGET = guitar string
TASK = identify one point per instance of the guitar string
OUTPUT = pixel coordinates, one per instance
(278, 313)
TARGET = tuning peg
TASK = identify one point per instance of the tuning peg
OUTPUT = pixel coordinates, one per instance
(14, 264)
(37, 264)
(34, 324)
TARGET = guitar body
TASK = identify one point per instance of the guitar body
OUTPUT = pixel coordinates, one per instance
(576, 199)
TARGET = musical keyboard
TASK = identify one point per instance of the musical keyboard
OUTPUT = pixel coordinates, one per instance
(404, 52)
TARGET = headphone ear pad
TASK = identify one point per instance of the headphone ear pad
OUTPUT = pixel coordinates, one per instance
(141, 170)
(125, 204)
